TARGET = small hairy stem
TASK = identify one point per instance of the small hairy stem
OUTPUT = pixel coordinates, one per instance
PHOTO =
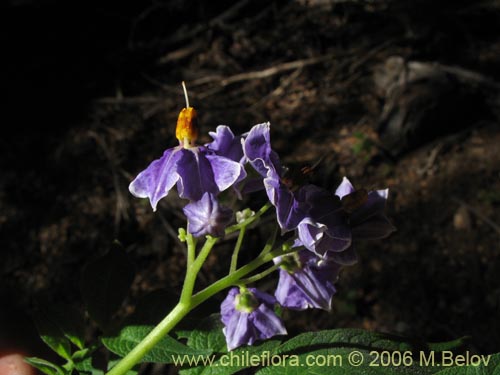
(259, 275)
(236, 251)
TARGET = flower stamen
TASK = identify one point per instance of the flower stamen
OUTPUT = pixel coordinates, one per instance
(187, 123)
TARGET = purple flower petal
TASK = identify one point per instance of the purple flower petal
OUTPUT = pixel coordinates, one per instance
(267, 324)
(375, 204)
(310, 284)
(329, 245)
(257, 149)
(226, 144)
(369, 220)
(158, 178)
(347, 257)
(289, 294)
(237, 331)
(225, 171)
(344, 188)
(377, 227)
(206, 216)
(290, 209)
(196, 176)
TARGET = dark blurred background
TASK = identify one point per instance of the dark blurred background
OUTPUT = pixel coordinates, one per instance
(403, 94)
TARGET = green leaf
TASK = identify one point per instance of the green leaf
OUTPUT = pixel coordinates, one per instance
(335, 361)
(358, 338)
(70, 322)
(83, 361)
(85, 366)
(207, 335)
(331, 351)
(225, 363)
(162, 352)
(485, 365)
(44, 366)
(50, 332)
(105, 284)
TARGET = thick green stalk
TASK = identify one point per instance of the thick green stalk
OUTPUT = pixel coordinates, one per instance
(162, 329)
(192, 272)
(180, 310)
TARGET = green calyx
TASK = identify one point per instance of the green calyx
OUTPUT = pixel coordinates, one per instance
(291, 263)
(246, 301)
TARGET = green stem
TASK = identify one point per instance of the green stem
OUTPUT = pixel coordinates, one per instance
(270, 242)
(236, 251)
(191, 249)
(236, 276)
(192, 271)
(163, 328)
(259, 275)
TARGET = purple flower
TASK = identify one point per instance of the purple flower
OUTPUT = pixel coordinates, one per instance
(325, 227)
(196, 170)
(248, 315)
(206, 216)
(366, 214)
(306, 281)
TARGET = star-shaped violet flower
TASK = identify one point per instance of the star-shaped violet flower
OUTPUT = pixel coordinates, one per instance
(325, 228)
(366, 216)
(248, 315)
(306, 281)
(207, 216)
(195, 169)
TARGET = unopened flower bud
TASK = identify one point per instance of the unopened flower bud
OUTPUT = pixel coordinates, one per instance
(241, 216)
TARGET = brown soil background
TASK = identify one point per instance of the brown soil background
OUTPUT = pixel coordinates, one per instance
(93, 94)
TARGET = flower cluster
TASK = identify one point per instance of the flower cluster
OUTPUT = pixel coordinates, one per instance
(324, 224)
